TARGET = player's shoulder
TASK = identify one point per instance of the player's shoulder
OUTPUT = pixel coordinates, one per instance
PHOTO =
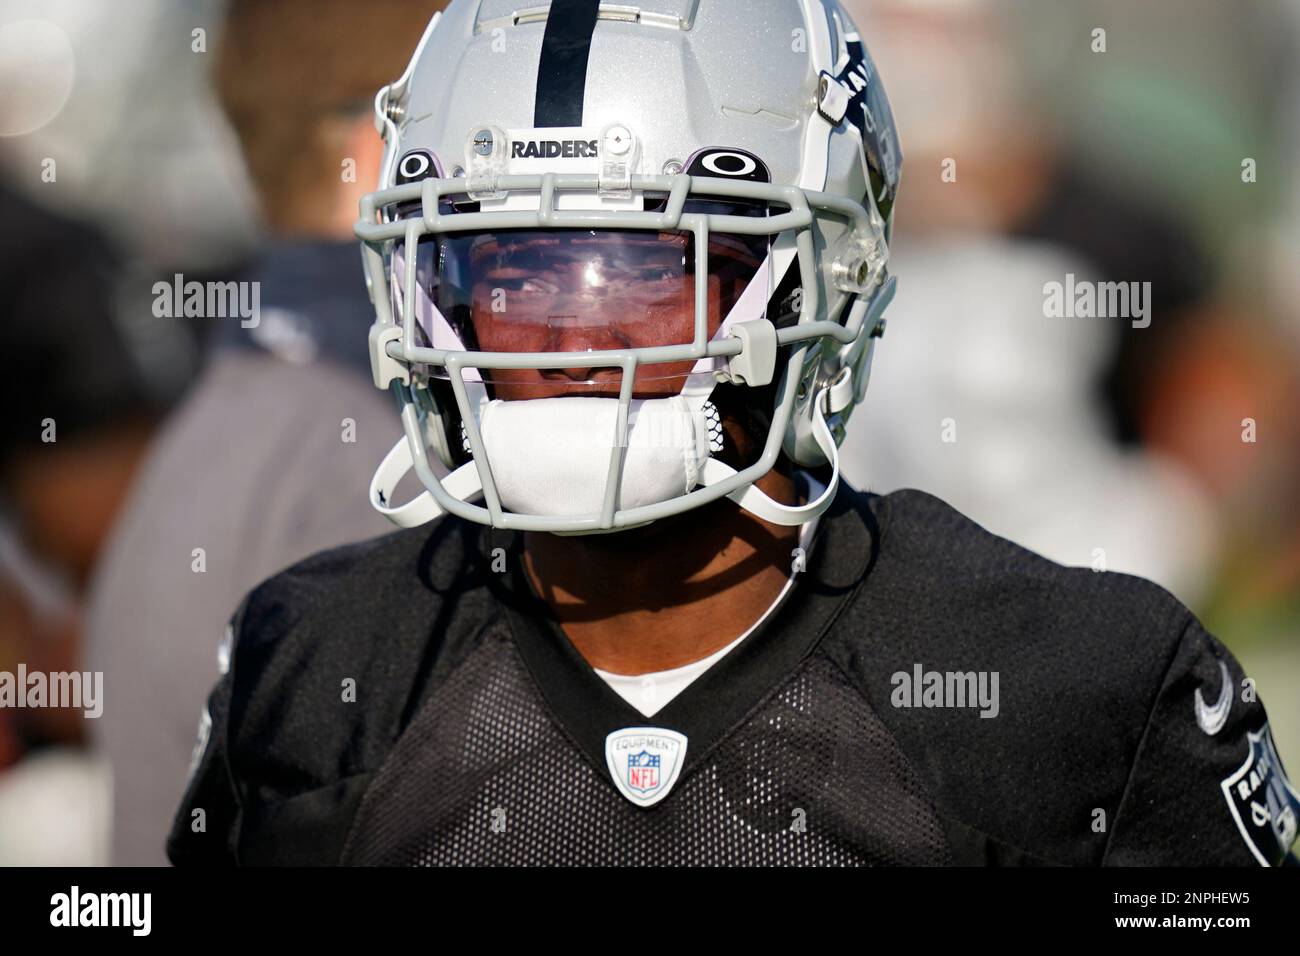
(946, 589)
(377, 622)
(933, 560)
(363, 607)
(415, 563)
(350, 625)
(314, 586)
(1023, 687)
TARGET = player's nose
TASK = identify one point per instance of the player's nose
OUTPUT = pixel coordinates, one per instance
(571, 334)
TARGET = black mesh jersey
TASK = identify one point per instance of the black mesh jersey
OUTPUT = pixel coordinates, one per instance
(410, 701)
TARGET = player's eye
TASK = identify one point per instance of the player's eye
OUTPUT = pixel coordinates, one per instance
(658, 273)
(531, 285)
(537, 285)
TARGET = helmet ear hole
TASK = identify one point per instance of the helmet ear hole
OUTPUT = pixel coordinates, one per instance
(442, 420)
(746, 415)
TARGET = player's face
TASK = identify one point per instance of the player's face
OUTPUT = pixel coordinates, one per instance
(574, 290)
(581, 292)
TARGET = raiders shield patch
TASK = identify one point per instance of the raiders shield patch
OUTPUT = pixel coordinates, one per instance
(645, 762)
(1262, 800)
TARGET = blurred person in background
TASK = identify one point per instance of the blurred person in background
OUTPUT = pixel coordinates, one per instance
(111, 169)
(117, 97)
(990, 403)
(1194, 107)
(269, 458)
(1222, 395)
(78, 419)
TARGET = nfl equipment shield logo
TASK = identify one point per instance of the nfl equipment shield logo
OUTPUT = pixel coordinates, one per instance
(643, 771)
(644, 762)
(1263, 802)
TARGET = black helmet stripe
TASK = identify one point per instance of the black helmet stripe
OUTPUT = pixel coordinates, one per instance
(562, 70)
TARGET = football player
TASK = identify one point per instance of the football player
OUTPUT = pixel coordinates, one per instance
(629, 265)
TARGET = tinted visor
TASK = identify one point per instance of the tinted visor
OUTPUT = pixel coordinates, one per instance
(577, 290)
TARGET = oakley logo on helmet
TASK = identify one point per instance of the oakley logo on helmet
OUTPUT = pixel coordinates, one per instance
(416, 165)
(553, 149)
(731, 163)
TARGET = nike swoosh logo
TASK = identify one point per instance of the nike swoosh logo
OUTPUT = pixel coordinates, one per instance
(1212, 719)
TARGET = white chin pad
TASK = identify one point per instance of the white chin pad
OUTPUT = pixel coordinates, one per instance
(551, 456)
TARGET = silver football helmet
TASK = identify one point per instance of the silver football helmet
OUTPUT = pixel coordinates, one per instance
(592, 218)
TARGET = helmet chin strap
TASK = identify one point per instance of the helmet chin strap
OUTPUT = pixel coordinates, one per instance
(835, 397)
(464, 483)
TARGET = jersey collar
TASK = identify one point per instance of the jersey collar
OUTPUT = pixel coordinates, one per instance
(587, 709)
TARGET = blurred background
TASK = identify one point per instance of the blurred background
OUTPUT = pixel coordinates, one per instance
(1102, 139)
